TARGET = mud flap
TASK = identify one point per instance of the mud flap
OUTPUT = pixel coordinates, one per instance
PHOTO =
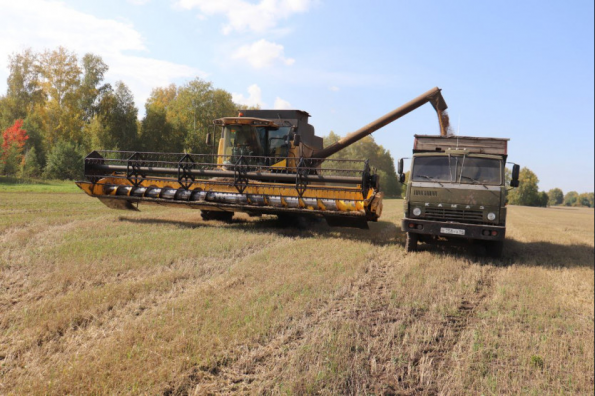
(120, 204)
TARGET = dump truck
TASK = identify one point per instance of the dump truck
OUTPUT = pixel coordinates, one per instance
(266, 162)
(457, 191)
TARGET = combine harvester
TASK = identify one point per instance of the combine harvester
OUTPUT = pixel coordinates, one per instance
(268, 162)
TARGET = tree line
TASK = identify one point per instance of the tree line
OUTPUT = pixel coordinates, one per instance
(58, 108)
(528, 194)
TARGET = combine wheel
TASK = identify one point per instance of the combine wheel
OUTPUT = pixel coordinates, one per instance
(411, 243)
(494, 248)
(215, 215)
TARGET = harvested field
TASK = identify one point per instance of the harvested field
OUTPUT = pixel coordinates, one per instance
(100, 301)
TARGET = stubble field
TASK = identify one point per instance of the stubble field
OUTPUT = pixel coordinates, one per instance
(100, 301)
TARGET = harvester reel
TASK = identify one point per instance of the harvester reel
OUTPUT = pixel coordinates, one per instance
(240, 175)
(301, 184)
(185, 177)
(133, 172)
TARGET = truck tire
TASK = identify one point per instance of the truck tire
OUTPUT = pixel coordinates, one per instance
(411, 243)
(494, 248)
(216, 215)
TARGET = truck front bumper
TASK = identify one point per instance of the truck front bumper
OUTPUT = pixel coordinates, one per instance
(454, 230)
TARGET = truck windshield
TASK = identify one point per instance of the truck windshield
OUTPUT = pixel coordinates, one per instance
(455, 169)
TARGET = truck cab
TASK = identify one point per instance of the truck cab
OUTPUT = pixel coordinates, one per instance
(457, 191)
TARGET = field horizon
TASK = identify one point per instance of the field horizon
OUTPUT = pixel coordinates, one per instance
(94, 300)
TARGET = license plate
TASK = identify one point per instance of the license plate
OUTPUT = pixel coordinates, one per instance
(452, 231)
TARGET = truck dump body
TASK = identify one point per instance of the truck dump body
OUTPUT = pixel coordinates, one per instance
(477, 145)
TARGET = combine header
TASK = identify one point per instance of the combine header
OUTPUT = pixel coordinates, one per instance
(268, 162)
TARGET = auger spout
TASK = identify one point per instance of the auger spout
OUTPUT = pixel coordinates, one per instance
(433, 96)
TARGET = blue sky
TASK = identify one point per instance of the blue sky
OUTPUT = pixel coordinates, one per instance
(522, 70)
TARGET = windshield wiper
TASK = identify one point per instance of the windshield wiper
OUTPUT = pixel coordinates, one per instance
(475, 181)
(431, 178)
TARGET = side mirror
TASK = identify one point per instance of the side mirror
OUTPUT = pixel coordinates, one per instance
(516, 170)
(400, 173)
(209, 139)
(296, 140)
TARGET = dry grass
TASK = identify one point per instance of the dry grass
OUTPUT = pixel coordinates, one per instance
(99, 301)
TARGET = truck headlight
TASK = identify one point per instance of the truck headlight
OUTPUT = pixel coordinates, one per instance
(491, 216)
(417, 212)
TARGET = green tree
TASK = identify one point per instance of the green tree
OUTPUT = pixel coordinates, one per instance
(24, 91)
(118, 128)
(571, 198)
(585, 199)
(64, 162)
(157, 132)
(379, 158)
(556, 196)
(29, 165)
(63, 116)
(11, 157)
(543, 199)
(527, 194)
(91, 89)
(193, 110)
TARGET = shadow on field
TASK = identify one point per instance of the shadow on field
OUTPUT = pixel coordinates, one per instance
(381, 233)
(546, 254)
(385, 233)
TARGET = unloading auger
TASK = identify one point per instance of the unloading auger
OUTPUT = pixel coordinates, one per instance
(267, 162)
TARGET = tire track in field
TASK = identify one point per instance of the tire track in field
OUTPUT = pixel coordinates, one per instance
(436, 353)
(257, 370)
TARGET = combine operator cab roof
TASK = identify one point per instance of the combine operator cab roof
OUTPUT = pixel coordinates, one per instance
(297, 119)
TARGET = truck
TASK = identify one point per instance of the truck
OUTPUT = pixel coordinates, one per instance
(457, 191)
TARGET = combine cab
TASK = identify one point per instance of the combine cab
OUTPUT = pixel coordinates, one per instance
(267, 162)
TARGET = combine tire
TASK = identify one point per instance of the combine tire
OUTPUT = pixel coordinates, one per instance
(411, 243)
(214, 215)
(494, 248)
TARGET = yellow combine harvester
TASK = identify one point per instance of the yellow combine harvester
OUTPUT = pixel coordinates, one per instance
(267, 162)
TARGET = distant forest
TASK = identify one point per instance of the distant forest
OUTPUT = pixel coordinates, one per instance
(58, 108)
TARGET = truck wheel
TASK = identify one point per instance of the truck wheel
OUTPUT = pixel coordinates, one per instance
(411, 243)
(494, 248)
(215, 215)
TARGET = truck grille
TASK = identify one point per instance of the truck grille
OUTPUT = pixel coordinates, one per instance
(450, 214)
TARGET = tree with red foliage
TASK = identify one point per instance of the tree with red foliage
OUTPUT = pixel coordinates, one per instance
(13, 141)
(14, 135)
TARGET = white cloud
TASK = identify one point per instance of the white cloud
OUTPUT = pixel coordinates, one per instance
(254, 97)
(243, 15)
(139, 2)
(263, 54)
(52, 23)
(335, 89)
(281, 104)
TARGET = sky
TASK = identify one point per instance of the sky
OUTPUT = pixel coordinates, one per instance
(509, 69)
